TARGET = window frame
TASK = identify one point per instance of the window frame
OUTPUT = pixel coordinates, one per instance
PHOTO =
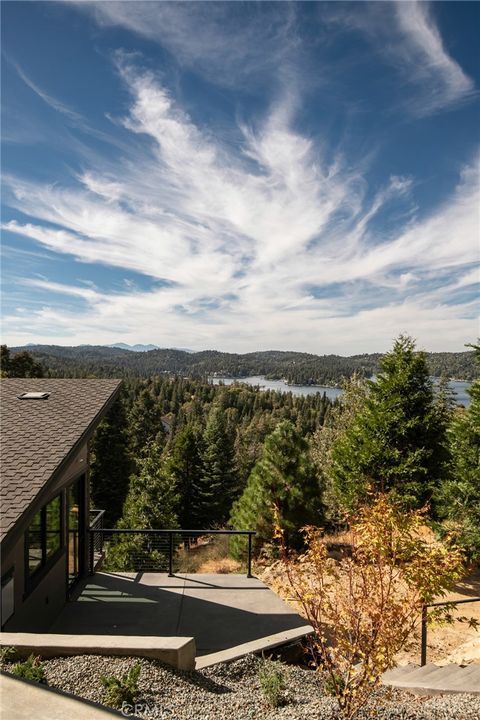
(32, 578)
(83, 524)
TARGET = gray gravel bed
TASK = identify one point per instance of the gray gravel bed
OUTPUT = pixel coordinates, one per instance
(232, 692)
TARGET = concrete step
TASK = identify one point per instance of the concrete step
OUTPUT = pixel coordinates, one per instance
(398, 672)
(254, 646)
(434, 679)
(465, 676)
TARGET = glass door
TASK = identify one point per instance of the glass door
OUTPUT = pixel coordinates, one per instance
(75, 529)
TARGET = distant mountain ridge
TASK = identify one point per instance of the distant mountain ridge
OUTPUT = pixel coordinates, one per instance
(294, 367)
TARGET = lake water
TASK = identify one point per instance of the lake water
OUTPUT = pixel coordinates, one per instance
(458, 387)
(460, 390)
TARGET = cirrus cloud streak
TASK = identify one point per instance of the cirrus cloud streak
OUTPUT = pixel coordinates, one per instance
(247, 241)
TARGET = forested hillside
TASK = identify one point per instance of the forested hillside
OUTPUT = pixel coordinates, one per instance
(179, 451)
(295, 368)
(201, 438)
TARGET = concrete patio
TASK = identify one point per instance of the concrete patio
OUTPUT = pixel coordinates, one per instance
(222, 612)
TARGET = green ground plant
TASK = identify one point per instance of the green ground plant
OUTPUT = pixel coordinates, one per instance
(122, 690)
(272, 682)
(30, 669)
(6, 653)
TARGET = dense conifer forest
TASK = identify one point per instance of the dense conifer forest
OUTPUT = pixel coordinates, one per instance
(295, 367)
(207, 439)
(177, 451)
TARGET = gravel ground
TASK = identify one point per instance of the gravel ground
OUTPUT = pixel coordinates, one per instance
(232, 692)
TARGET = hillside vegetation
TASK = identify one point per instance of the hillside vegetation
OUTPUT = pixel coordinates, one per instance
(294, 367)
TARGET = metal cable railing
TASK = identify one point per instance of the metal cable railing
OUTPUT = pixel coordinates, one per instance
(142, 550)
(96, 550)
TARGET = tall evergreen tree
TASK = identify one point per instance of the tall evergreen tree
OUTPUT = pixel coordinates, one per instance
(145, 420)
(458, 499)
(337, 422)
(249, 441)
(21, 365)
(282, 483)
(151, 504)
(5, 360)
(111, 463)
(185, 466)
(397, 442)
(215, 489)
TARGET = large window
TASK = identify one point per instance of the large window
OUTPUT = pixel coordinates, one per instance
(44, 536)
(35, 544)
(53, 526)
(74, 526)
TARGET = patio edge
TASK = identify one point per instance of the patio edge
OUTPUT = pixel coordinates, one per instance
(254, 646)
(176, 651)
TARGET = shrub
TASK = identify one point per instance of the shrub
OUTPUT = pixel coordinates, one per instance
(6, 653)
(272, 682)
(30, 669)
(365, 606)
(209, 555)
(122, 690)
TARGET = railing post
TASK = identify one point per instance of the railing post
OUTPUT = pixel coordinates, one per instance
(423, 654)
(249, 569)
(170, 554)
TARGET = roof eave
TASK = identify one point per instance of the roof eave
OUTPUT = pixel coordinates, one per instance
(11, 536)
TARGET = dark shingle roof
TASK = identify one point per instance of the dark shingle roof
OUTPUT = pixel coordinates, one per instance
(37, 435)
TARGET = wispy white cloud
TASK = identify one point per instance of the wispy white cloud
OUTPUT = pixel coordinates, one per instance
(51, 101)
(217, 40)
(246, 237)
(407, 37)
(86, 293)
(442, 81)
(24, 130)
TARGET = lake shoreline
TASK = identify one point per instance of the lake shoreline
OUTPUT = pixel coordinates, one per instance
(458, 387)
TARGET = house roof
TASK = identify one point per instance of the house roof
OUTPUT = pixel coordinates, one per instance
(38, 436)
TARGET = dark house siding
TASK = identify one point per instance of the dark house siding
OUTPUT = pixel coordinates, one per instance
(37, 606)
(52, 442)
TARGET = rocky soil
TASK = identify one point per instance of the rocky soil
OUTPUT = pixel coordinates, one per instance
(232, 692)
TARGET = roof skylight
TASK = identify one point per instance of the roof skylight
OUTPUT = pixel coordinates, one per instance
(34, 396)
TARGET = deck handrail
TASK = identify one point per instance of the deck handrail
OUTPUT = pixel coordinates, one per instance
(425, 606)
(95, 549)
(170, 533)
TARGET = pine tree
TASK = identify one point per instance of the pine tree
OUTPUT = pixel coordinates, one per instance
(20, 365)
(5, 361)
(111, 463)
(458, 499)
(249, 441)
(283, 482)
(145, 420)
(215, 489)
(186, 468)
(336, 423)
(397, 442)
(151, 503)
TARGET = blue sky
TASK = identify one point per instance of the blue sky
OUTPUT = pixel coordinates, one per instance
(240, 176)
